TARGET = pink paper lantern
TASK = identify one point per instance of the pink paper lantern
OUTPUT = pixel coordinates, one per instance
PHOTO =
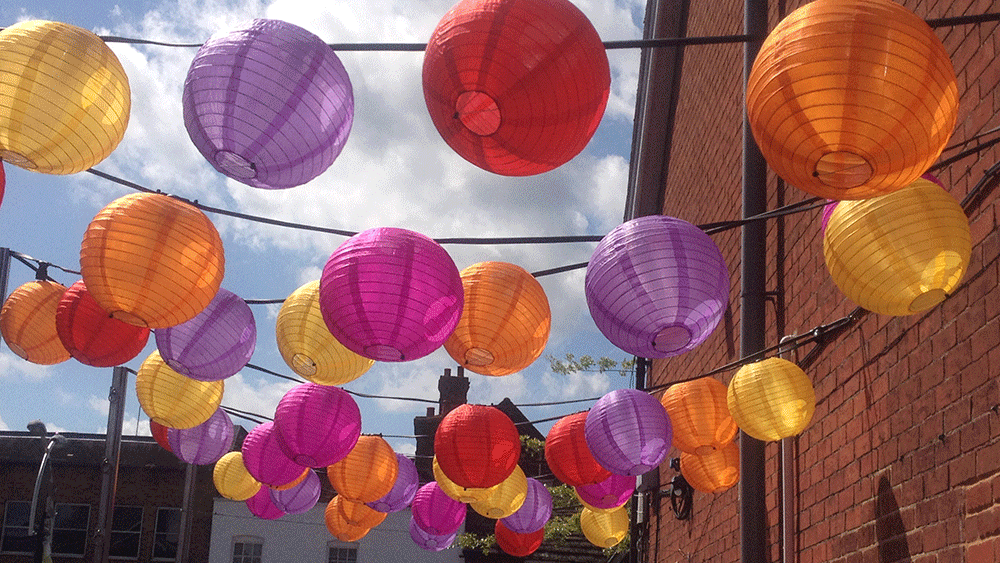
(534, 513)
(435, 512)
(260, 505)
(300, 498)
(404, 489)
(205, 443)
(628, 431)
(609, 493)
(264, 459)
(429, 541)
(317, 425)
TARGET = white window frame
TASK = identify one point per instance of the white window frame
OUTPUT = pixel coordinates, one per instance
(4, 527)
(56, 530)
(341, 546)
(157, 532)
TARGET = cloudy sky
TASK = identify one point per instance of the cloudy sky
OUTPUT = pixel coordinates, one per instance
(394, 171)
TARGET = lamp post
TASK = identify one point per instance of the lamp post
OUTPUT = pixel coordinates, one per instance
(39, 529)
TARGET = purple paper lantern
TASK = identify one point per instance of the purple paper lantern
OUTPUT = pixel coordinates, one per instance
(609, 493)
(215, 344)
(534, 513)
(403, 491)
(264, 459)
(657, 286)
(205, 443)
(628, 431)
(391, 294)
(317, 425)
(262, 507)
(429, 541)
(300, 498)
(269, 105)
(435, 512)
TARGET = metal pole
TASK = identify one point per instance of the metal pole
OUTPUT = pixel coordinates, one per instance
(37, 528)
(109, 466)
(187, 514)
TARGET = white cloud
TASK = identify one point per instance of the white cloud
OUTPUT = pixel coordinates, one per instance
(12, 367)
(3, 425)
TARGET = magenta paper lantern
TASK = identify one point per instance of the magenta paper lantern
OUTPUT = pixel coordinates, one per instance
(213, 345)
(300, 498)
(264, 459)
(429, 541)
(261, 506)
(403, 491)
(269, 105)
(609, 493)
(435, 512)
(205, 443)
(317, 425)
(628, 431)
(391, 294)
(657, 286)
(534, 513)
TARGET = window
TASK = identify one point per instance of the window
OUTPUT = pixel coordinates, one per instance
(69, 531)
(247, 549)
(126, 529)
(15, 528)
(168, 528)
(342, 554)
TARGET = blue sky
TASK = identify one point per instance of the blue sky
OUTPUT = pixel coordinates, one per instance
(394, 171)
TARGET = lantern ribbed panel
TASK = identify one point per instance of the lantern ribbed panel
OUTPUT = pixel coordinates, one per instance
(159, 433)
(203, 444)
(477, 446)
(307, 346)
(504, 499)
(28, 322)
(608, 494)
(849, 99)
(152, 260)
(428, 541)
(900, 253)
(657, 286)
(516, 87)
(568, 455)
(317, 425)
(64, 97)
(172, 399)
(367, 473)
(713, 472)
(534, 512)
(391, 294)
(435, 512)
(269, 105)
(457, 492)
(90, 335)
(215, 344)
(359, 514)
(771, 399)
(403, 490)
(301, 498)
(517, 544)
(505, 321)
(262, 507)
(232, 479)
(699, 415)
(338, 526)
(604, 529)
(264, 459)
(628, 432)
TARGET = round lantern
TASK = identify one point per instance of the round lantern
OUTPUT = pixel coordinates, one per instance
(457, 492)
(435, 512)
(505, 321)
(215, 344)
(262, 507)
(516, 87)
(900, 253)
(28, 322)
(359, 514)
(338, 526)
(604, 529)
(568, 455)
(159, 433)
(477, 446)
(232, 479)
(504, 499)
(428, 541)
(205, 443)
(534, 512)
(771, 399)
(65, 102)
(264, 459)
(699, 416)
(608, 494)
(713, 472)
(90, 335)
(172, 399)
(317, 425)
(367, 473)
(152, 260)
(390, 294)
(517, 544)
(403, 490)
(849, 99)
(3, 181)
(307, 346)
(300, 498)
(656, 286)
(628, 431)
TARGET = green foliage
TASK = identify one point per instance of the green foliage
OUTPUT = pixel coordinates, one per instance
(571, 364)
(532, 446)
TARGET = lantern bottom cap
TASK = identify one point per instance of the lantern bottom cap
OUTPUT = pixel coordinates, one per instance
(672, 338)
(235, 165)
(303, 365)
(479, 112)
(478, 357)
(17, 159)
(705, 450)
(927, 299)
(306, 461)
(383, 353)
(843, 169)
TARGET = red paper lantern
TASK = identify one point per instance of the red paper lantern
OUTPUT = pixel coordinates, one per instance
(28, 322)
(90, 335)
(518, 545)
(367, 473)
(159, 433)
(568, 455)
(477, 446)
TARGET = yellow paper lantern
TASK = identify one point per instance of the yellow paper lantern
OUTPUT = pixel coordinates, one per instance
(174, 400)
(152, 260)
(64, 97)
(604, 529)
(359, 514)
(849, 99)
(900, 253)
(699, 415)
(367, 473)
(232, 479)
(455, 491)
(771, 399)
(28, 322)
(712, 472)
(338, 525)
(504, 499)
(308, 347)
(505, 320)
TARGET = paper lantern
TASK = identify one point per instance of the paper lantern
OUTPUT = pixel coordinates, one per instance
(159, 433)
(264, 459)
(477, 446)
(604, 529)
(90, 335)
(699, 416)
(505, 321)
(203, 444)
(608, 494)
(317, 425)
(172, 399)
(457, 492)
(307, 346)
(295, 483)
(712, 472)
(517, 544)
(359, 514)
(435, 512)
(403, 490)
(504, 499)
(215, 344)
(516, 87)
(64, 97)
(849, 99)
(771, 399)
(232, 479)
(367, 473)
(262, 507)
(390, 294)
(3, 181)
(28, 322)
(656, 286)
(338, 526)
(534, 512)
(269, 104)
(301, 498)
(428, 541)
(152, 260)
(567, 453)
(628, 431)
(900, 253)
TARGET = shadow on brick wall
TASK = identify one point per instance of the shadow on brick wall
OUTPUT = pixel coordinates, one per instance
(889, 530)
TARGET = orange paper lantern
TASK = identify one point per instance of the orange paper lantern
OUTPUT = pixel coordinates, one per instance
(367, 473)
(699, 415)
(712, 472)
(232, 479)
(771, 399)
(338, 525)
(28, 322)
(359, 514)
(172, 399)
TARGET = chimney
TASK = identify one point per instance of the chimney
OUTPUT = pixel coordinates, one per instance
(454, 390)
